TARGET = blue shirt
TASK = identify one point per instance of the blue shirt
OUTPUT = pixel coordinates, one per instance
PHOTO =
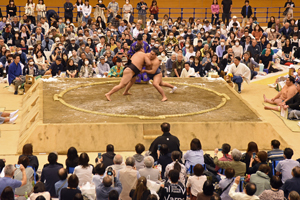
(102, 191)
(247, 10)
(14, 71)
(193, 158)
(220, 51)
(6, 181)
(59, 184)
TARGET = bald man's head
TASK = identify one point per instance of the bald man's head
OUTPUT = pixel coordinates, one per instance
(62, 174)
(118, 159)
(107, 181)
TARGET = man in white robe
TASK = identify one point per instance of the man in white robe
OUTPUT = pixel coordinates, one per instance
(240, 72)
(187, 71)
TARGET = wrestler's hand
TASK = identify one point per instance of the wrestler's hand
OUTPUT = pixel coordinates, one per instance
(143, 71)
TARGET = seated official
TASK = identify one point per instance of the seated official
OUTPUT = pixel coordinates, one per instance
(15, 74)
(240, 72)
(117, 70)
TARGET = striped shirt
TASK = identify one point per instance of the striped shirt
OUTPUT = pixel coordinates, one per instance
(275, 154)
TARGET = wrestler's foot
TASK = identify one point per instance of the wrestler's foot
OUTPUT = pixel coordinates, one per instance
(173, 89)
(107, 97)
(266, 108)
(127, 93)
(265, 99)
(12, 120)
(164, 99)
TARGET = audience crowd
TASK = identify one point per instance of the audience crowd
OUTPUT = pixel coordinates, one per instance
(162, 172)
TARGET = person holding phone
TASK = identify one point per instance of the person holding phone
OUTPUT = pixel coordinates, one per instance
(8, 180)
(249, 192)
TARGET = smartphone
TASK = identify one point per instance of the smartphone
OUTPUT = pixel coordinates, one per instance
(242, 179)
(254, 154)
(158, 146)
(220, 149)
(17, 166)
(99, 155)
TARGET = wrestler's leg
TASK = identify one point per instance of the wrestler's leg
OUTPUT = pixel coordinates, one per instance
(156, 84)
(127, 76)
(129, 85)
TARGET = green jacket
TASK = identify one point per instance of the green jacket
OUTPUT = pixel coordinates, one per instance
(238, 166)
(262, 182)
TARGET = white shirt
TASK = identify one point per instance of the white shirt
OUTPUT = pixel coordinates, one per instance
(86, 10)
(207, 28)
(188, 55)
(186, 74)
(240, 70)
(148, 23)
(239, 195)
(135, 32)
(84, 174)
(231, 24)
(78, 7)
(196, 184)
(46, 27)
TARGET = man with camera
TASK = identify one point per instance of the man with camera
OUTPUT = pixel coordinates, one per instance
(110, 182)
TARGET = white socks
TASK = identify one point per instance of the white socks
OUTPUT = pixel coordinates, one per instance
(13, 113)
(174, 89)
(12, 120)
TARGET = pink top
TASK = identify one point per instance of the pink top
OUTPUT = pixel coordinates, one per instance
(215, 8)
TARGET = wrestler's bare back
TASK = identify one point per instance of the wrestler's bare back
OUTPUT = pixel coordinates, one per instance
(140, 59)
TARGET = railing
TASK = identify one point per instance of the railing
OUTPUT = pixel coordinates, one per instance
(262, 14)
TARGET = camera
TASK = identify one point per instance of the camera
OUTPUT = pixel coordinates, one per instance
(110, 171)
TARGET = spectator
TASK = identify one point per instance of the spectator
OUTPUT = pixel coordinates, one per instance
(260, 158)
(127, 10)
(285, 166)
(71, 69)
(141, 192)
(18, 175)
(7, 180)
(142, 11)
(154, 9)
(113, 195)
(194, 155)
(69, 192)
(33, 160)
(238, 166)
(292, 183)
(7, 194)
(72, 158)
(103, 190)
(275, 153)
(187, 71)
(86, 11)
(176, 157)
(286, 30)
(84, 170)
(63, 182)
(226, 8)
(68, 11)
(86, 70)
(40, 190)
(220, 49)
(99, 174)
(250, 190)
(29, 11)
(261, 179)
(226, 157)
(254, 50)
(195, 183)
(167, 138)
(289, 7)
(226, 184)
(15, 73)
(275, 192)
(11, 9)
(294, 195)
(246, 12)
(128, 178)
(30, 68)
(117, 70)
(215, 12)
(79, 196)
(172, 189)
(149, 172)
(138, 157)
(50, 174)
(178, 66)
(108, 157)
(207, 191)
(41, 8)
(118, 163)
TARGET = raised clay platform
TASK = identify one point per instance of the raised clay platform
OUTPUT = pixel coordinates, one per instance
(75, 112)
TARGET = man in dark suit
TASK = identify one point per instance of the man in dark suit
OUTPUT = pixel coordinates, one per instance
(286, 30)
(170, 140)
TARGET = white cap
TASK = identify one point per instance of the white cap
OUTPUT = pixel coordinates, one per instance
(292, 67)
(234, 16)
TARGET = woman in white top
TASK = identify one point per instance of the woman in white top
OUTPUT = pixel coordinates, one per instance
(127, 10)
(195, 183)
(237, 49)
(176, 156)
(190, 52)
(24, 160)
(195, 155)
(86, 11)
(163, 58)
(29, 10)
(79, 5)
(39, 60)
(84, 170)
(40, 8)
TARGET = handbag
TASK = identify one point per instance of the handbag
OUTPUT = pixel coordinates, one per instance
(285, 12)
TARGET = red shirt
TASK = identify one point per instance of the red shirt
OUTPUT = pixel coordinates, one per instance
(227, 158)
